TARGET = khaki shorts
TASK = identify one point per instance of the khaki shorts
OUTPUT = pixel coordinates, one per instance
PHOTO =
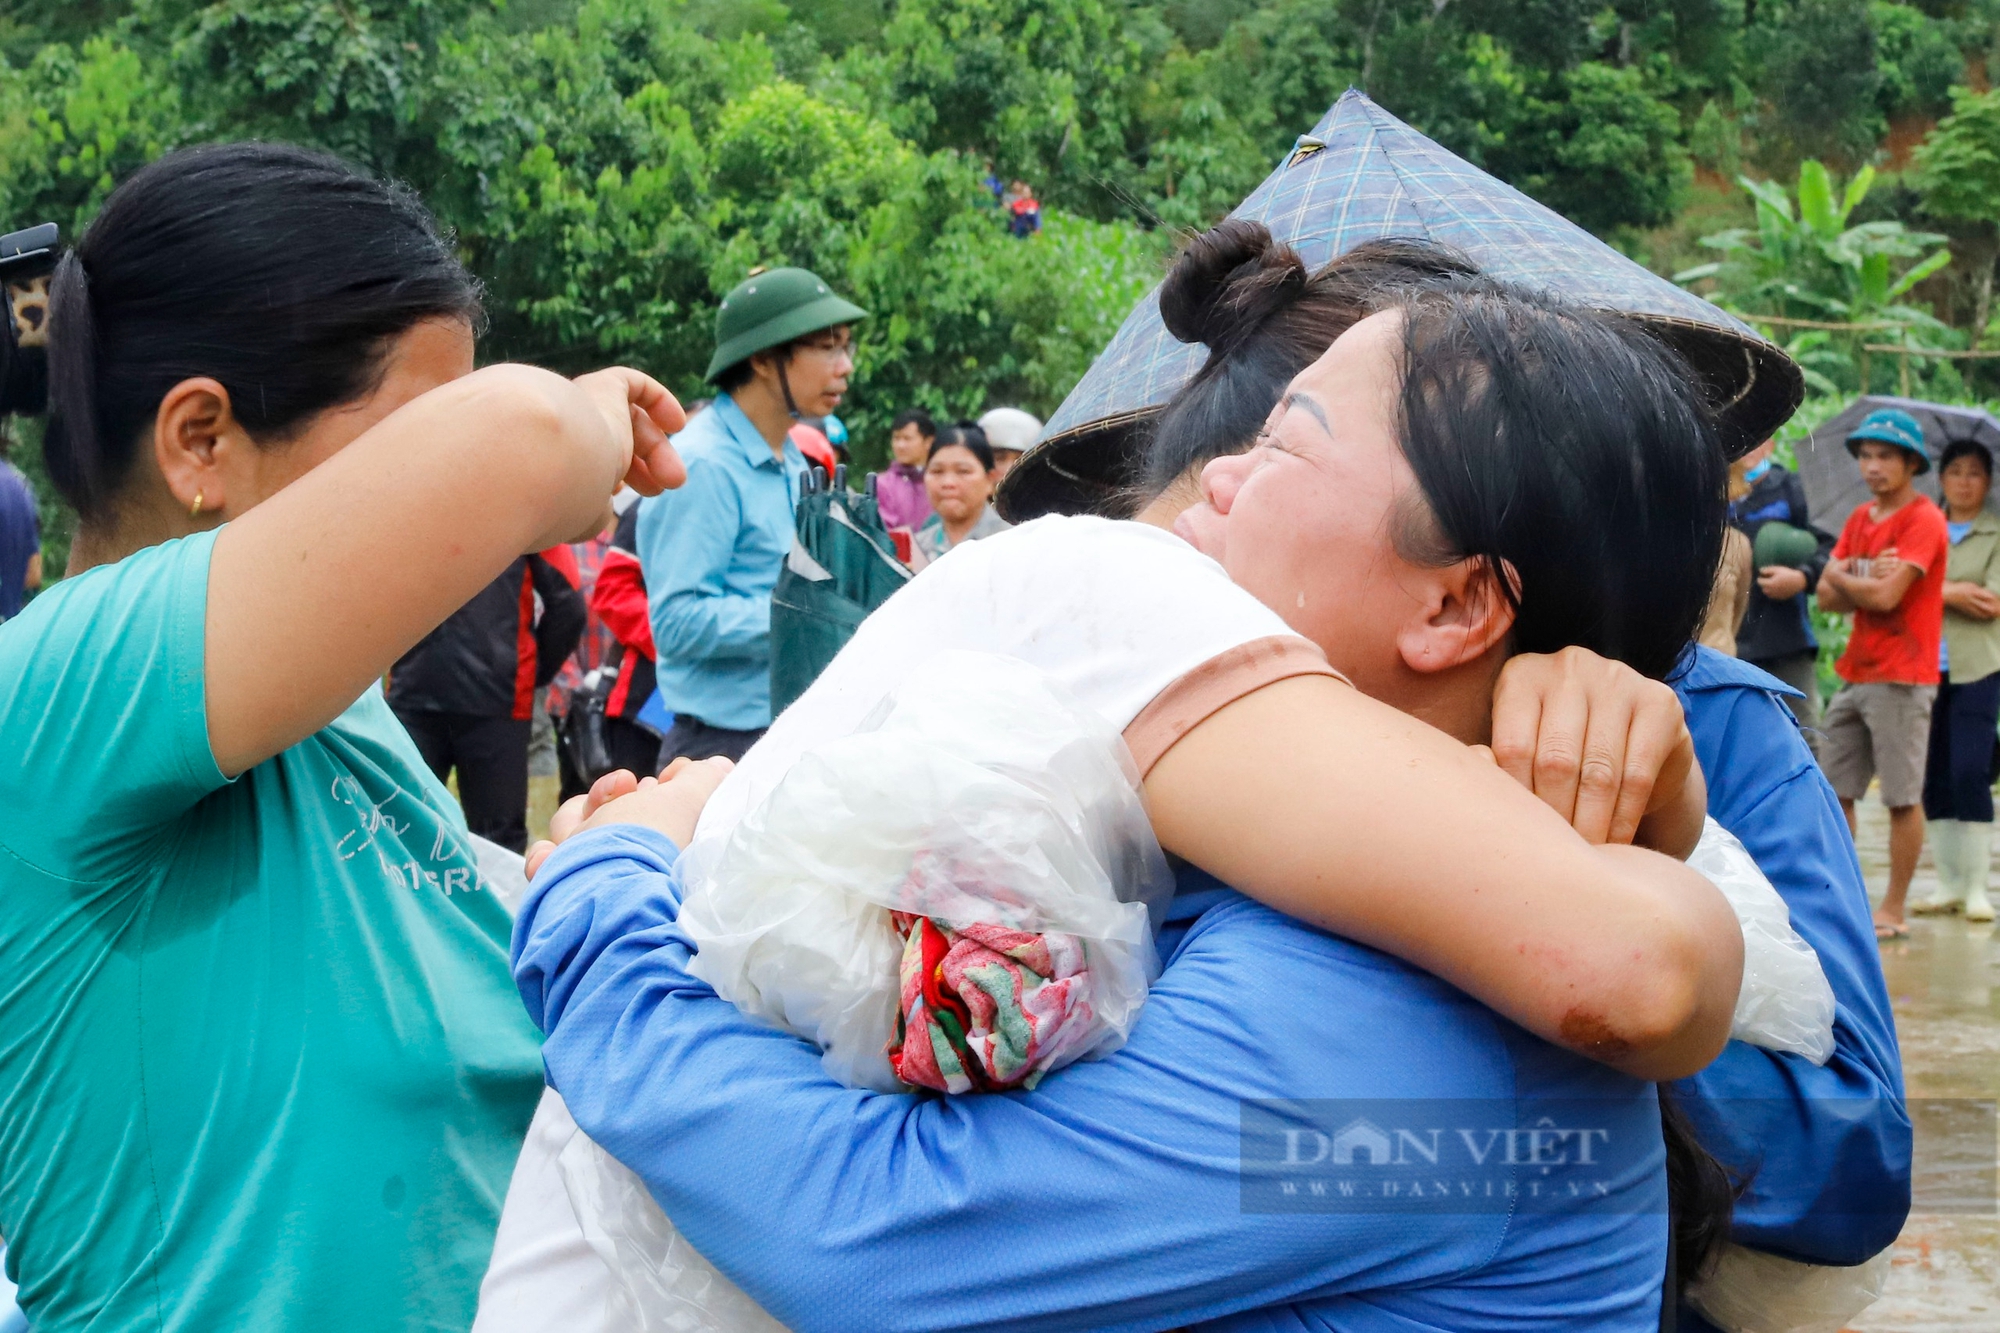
(1878, 730)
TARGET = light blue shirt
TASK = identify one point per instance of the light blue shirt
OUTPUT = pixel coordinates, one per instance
(1114, 1196)
(711, 552)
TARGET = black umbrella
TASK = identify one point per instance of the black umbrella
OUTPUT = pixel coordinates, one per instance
(1832, 478)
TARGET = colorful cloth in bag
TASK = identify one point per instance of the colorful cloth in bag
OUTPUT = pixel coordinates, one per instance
(984, 1008)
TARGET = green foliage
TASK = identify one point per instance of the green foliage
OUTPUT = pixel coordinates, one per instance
(1806, 261)
(1817, 63)
(611, 166)
(633, 170)
(1958, 166)
(72, 123)
(1917, 58)
(1604, 151)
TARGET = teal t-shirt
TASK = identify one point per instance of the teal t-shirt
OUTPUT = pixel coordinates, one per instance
(262, 1064)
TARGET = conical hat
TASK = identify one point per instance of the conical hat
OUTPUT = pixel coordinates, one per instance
(1361, 175)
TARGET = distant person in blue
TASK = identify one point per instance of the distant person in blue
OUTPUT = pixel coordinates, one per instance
(711, 550)
(20, 538)
(1113, 1196)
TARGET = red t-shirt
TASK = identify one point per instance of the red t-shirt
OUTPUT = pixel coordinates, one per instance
(1900, 646)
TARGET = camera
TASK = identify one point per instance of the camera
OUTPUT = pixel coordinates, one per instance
(27, 258)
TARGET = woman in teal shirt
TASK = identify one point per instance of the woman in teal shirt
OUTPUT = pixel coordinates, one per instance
(263, 1066)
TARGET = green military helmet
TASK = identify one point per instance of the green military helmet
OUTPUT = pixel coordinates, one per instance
(1782, 544)
(770, 309)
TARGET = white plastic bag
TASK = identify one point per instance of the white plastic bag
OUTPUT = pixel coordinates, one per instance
(503, 872)
(976, 793)
(659, 1282)
(1786, 1003)
(1748, 1291)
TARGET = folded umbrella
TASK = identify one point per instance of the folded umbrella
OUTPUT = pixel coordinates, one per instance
(842, 566)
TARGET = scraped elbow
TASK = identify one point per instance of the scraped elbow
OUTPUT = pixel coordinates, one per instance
(1674, 1003)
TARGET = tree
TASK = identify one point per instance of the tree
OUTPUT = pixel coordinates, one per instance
(1918, 59)
(1808, 262)
(74, 122)
(617, 177)
(1957, 172)
(1818, 70)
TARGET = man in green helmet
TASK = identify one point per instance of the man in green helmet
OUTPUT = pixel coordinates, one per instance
(711, 550)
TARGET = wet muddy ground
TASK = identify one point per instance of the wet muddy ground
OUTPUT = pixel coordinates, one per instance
(1944, 981)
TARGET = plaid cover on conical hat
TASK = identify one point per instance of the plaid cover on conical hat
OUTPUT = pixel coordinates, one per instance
(1360, 175)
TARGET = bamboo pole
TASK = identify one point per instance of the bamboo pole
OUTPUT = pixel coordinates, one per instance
(1936, 353)
(1786, 322)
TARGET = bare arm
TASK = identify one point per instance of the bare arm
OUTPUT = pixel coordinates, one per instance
(1973, 600)
(1343, 812)
(345, 569)
(32, 580)
(1880, 593)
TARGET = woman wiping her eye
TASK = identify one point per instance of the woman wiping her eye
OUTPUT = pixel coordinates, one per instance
(266, 1067)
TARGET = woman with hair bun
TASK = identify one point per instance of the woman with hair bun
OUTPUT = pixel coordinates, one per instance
(1406, 524)
(266, 1067)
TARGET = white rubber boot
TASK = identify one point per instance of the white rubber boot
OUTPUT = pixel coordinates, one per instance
(1975, 851)
(1948, 854)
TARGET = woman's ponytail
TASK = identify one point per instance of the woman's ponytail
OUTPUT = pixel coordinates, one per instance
(283, 274)
(71, 445)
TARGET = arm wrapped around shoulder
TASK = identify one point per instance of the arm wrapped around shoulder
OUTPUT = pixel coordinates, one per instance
(956, 896)
(960, 896)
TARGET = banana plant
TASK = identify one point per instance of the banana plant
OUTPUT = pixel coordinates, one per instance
(1805, 260)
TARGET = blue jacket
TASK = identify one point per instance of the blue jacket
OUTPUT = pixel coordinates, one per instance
(1114, 1196)
(710, 552)
(1830, 1146)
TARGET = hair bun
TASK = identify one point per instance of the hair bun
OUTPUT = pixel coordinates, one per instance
(1229, 280)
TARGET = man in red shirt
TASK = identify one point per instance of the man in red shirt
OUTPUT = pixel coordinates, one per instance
(1888, 570)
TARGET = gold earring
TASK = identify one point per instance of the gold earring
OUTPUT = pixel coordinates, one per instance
(194, 510)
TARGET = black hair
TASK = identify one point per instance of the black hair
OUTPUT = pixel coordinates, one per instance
(1958, 449)
(1571, 452)
(965, 435)
(915, 416)
(731, 378)
(1249, 298)
(1701, 1196)
(281, 272)
(1569, 447)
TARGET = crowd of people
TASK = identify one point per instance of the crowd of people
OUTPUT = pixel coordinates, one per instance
(1920, 696)
(1399, 641)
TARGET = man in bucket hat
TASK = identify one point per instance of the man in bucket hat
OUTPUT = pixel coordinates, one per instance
(711, 550)
(1888, 570)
